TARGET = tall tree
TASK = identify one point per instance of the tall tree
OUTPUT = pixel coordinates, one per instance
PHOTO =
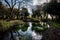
(1, 10)
(53, 8)
(11, 6)
(25, 12)
(18, 10)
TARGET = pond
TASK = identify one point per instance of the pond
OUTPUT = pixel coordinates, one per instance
(28, 31)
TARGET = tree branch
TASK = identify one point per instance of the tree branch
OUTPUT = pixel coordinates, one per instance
(7, 3)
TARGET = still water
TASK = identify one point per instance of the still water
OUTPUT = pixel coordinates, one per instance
(29, 34)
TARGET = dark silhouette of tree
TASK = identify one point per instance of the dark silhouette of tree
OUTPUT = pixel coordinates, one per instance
(2, 10)
(53, 8)
(25, 12)
(11, 6)
(37, 12)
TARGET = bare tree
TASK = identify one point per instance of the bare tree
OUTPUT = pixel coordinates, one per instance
(11, 6)
(18, 11)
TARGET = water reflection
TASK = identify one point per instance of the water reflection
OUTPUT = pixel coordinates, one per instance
(36, 36)
(30, 27)
(30, 33)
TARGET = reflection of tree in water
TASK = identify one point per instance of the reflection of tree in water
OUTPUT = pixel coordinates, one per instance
(40, 27)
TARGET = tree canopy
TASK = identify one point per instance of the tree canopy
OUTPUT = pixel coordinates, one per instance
(52, 8)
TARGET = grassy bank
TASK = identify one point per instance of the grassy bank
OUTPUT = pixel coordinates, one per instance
(4, 25)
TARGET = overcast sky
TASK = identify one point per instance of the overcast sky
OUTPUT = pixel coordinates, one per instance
(35, 2)
(29, 4)
(39, 2)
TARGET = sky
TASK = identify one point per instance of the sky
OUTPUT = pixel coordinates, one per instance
(29, 4)
(39, 2)
(34, 3)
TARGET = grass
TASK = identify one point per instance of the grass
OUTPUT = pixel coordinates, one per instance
(4, 25)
